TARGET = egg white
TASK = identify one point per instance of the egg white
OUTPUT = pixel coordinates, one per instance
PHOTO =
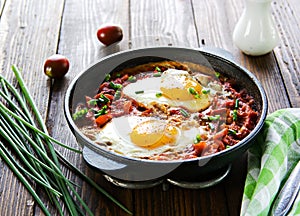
(117, 132)
(145, 91)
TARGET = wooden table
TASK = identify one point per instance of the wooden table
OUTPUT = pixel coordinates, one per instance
(30, 31)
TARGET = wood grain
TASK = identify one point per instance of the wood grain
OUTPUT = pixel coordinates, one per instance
(79, 43)
(28, 35)
(30, 31)
(289, 46)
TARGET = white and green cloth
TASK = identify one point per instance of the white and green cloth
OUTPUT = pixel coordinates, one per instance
(271, 159)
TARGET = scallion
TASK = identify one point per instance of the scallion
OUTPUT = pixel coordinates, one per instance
(214, 118)
(184, 113)
(158, 94)
(234, 115)
(107, 77)
(231, 131)
(205, 91)
(131, 79)
(36, 156)
(115, 86)
(139, 92)
(211, 126)
(197, 138)
(236, 105)
(157, 74)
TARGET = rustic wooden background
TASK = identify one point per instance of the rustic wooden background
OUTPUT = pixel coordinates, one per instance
(32, 30)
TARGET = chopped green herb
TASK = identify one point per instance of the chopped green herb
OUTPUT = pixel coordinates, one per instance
(158, 94)
(157, 69)
(205, 91)
(234, 115)
(107, 77)
(92, 102)
(214, 118)
(228, 146)
(197, 96)
(117, 95)
(103, 99)
(132, 79)
(79, 114)
(115, 86)
(230, 131)
(192, 91)
(102, 111)
(197, 139)
(139, 92)
(118, 75)
(236, 105)
(217, 74)
(211, 126)
(184, 113)
(158, 74)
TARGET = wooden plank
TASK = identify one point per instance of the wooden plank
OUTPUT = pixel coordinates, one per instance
(79, 43)
(216, 21)
(32, 38)
(289, 46)
(150, 21)
(177, 28)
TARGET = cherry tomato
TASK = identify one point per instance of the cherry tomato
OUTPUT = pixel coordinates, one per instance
(56, 66)
(110, 34)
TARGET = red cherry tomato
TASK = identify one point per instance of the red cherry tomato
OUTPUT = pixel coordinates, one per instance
(110, 34)
(56, 66)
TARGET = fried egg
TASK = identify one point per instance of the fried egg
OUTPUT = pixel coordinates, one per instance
(139, 137)
(177, 88)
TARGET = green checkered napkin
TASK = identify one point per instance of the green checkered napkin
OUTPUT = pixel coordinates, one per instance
(271, 159)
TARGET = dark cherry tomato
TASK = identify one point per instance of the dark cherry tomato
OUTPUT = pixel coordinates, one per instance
(56, 66)
(110, 34)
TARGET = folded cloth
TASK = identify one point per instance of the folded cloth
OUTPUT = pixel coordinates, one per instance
(271, 159)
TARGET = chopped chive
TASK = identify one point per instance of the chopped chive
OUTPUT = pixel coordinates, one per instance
(184, 113)
(211, 126)
(197, 139)
(139, 92)
(228, 146)
(192, 91)
(234, 115)
(118, 75)
(107, 77)
(158, 74)
(92, 102)
(231, 131)
(197, 96)
(205, 91)
(132, 79)
(117, 95)
(214, 118)
(158, 94)
(102, 111)
(157, 69)
(236, 105)
(115, 86)
(12, 128)
(79, 114)
(103, 99)
(217, 74)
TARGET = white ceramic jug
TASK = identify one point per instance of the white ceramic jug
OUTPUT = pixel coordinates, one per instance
(255, 33)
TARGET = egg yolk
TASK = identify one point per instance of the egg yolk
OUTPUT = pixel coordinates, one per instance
(153, 133)
(179, 88)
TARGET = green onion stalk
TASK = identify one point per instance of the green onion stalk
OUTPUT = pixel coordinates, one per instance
(28, 150)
